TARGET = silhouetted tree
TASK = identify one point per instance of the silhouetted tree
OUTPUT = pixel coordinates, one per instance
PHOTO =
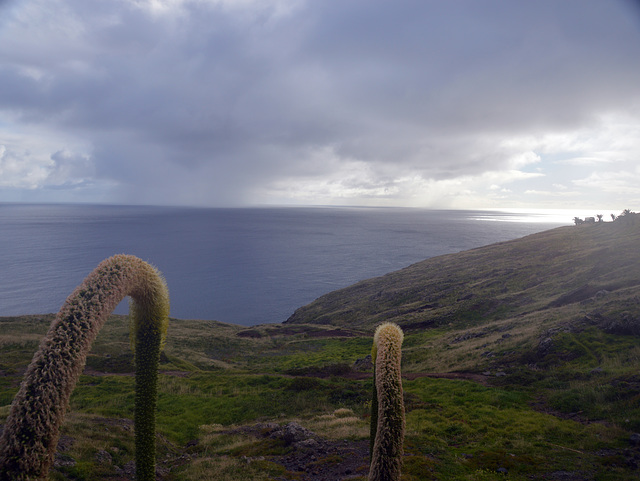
(599, 216)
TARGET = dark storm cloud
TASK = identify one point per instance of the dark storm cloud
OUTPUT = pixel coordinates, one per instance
(212, 100)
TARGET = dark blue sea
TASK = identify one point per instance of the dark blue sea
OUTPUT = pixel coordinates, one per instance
(245, 266)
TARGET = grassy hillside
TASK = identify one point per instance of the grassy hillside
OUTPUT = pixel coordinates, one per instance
(519, 358)
(544, 272)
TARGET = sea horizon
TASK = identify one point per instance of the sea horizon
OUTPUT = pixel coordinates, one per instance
(240, 265)
(506, 214)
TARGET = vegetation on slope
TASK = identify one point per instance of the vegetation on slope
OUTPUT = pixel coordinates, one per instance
(542, 273)
(518, 358)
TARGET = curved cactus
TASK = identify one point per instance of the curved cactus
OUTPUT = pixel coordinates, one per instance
(30, 436)
(386, 458)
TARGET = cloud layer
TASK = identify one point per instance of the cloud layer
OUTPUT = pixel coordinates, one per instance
(426, 103)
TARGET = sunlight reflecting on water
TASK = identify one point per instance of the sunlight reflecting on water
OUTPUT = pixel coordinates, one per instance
(547, 216)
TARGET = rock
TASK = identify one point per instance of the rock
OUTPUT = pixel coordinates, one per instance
(501, 374)
(502, 471)
(65, 442)
(63, 461)
(307, 443)
(162, 472)
(545, 345)
(625, 324)
(250, 459)
(469, 335)
(292, 433)
(363, 364)
(103, 457)
(561, 475)
(634, 439)
(128, 470)
(263, 429)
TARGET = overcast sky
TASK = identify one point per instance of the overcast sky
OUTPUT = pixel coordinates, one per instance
(447, 104)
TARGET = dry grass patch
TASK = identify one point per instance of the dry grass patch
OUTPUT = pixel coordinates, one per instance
(339, 424)
(229, 468)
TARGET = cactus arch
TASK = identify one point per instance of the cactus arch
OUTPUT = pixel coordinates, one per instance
(31, 433)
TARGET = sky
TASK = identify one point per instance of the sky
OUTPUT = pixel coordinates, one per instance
(439, 104)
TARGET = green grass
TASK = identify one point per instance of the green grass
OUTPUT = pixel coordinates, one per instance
(457, 430)
(185, 403)
(302, 354)
(574, 405)
(469, 427)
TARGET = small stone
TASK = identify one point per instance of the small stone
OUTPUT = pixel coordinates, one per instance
(634, 439)
(501, 374)
(307, 443)
(502, 471)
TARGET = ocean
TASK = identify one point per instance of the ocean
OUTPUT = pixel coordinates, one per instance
(244, 266)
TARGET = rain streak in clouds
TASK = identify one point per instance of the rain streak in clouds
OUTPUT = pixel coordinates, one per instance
(454, 104)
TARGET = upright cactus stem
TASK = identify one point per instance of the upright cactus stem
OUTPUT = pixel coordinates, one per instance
(386, 458)
(30, 436)
(373, 427)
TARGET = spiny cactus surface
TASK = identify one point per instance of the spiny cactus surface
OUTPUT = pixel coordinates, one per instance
(30, 436)
(386, 459)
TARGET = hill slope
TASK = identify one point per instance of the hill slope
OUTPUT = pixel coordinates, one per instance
(543, 273)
